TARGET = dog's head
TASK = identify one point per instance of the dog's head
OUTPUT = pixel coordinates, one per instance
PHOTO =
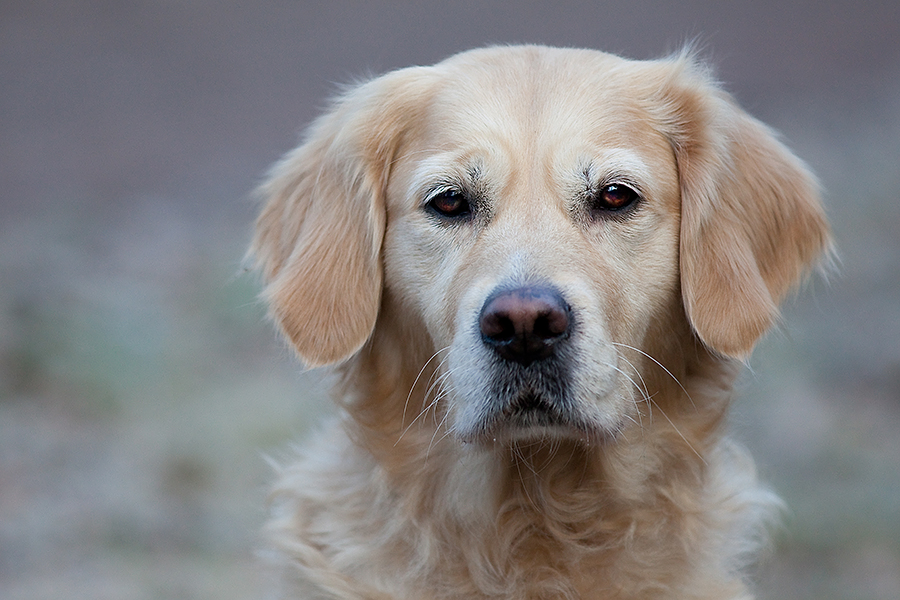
(548, 220)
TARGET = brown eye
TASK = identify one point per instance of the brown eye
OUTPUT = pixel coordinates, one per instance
(614, 197)
(450, 204)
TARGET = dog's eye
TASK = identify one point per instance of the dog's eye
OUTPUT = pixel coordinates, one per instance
(450, 204)
(613, 198)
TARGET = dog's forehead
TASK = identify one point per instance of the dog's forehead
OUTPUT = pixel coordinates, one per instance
(528, 103)
(562, 90)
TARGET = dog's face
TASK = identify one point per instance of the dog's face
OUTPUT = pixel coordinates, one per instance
(537, 240)
(545, 216)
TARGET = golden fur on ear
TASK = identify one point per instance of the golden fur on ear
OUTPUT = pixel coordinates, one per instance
(752, 222)
(318, 238)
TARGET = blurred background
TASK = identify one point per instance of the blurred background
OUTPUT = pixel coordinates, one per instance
(140, 385)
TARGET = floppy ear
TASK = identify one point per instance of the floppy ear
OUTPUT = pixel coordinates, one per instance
(318, 238)
(751, 219)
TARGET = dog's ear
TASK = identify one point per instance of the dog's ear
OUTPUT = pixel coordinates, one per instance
(751, 220)
(318, 237)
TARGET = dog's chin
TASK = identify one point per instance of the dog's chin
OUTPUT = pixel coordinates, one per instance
(534, 419)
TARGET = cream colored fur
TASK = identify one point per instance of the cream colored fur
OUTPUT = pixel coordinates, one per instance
(418, 490)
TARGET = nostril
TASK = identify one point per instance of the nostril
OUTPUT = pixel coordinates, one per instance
(497, 325)
(524, 324)
(552, 323)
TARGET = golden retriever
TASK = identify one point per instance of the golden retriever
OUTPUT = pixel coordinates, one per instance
(537, 272)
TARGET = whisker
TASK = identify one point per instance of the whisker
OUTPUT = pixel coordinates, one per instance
(642, 389)
(694, 450)
(416, 381)
(425, 410)
(434, 437)
(661, 366)
(439, 390)
(434, 383)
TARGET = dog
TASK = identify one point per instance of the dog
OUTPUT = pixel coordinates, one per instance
(536, 273)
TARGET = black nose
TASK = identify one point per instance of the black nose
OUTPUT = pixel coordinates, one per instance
(524, 324)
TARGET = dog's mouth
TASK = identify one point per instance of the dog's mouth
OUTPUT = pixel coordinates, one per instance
(530, 416)
(530, 409)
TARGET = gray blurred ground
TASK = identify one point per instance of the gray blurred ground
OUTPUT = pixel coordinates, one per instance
(140, 386)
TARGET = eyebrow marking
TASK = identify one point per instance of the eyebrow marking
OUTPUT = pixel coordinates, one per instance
(445, 172)
(615, 166)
